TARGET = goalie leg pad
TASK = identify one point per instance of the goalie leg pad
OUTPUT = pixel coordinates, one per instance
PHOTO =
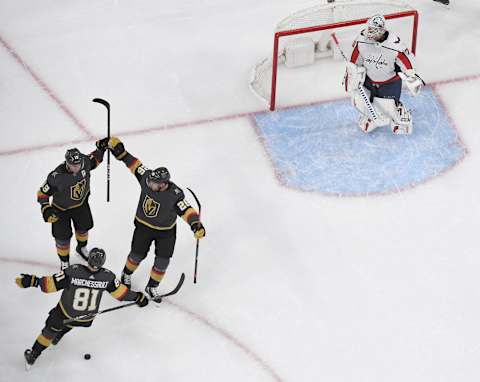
(367, 123)
(358, 102)
(400, 117)
(403, 124)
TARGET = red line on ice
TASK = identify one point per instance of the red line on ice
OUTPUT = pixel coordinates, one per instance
(45, 88)
(199, 122)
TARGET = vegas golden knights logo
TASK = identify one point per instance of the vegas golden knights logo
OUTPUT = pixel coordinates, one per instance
(78, 190)
(150, 207)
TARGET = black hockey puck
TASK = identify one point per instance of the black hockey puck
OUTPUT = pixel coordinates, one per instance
(87, 356)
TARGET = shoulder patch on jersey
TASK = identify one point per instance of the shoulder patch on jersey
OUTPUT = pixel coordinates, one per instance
(142, 169)
(183, 205)
(59, 276)
(45, 187)
(177, 190)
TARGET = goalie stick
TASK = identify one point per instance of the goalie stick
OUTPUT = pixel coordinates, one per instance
(107, 105)
(157, 299)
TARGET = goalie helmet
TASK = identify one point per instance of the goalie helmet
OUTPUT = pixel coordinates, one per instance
(159, 175)
(96, 258)
(73, 156)
(375, 27)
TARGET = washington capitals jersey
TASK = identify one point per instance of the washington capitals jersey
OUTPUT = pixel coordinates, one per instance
(83, 289)
(382, 60)
(159, 209)
(69, 190)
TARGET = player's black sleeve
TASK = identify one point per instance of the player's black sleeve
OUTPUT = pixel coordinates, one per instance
(54, 283)
(135, 165)
(185, 210)
(120, 291)
(46, 190)
(95, 158)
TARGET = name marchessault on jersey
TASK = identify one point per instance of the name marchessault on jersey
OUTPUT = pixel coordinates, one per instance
(89, 283)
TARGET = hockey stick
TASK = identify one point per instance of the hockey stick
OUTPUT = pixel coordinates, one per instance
(196, 249)
(157, 299)
(107, 105)
(371, 110)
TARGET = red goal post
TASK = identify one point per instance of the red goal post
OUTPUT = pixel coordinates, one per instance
(403, 13)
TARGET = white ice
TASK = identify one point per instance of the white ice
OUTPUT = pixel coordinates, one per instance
(292, 286)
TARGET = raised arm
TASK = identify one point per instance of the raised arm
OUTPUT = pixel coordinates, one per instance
(136, 167)
(96, 156)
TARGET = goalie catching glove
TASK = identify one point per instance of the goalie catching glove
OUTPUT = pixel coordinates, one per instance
(198, 230)
(27, 281)
(412, 80)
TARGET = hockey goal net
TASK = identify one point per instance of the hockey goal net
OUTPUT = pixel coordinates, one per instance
(313, 27)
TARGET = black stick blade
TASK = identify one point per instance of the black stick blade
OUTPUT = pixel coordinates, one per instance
(196, 199)
(102, 101)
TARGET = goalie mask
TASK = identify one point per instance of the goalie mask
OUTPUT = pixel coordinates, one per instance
(375, 27)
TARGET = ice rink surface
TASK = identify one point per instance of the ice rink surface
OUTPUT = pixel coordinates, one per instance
(293, 285)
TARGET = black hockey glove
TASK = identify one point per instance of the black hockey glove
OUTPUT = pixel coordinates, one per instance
(141, 300)
(27, 281)
(198, 229)
(102, 144)
(50, 215)
(116, 146)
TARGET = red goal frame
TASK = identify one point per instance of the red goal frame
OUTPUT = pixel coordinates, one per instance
(279, 35)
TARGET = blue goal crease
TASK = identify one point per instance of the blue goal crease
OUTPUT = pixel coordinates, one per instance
(320, 148)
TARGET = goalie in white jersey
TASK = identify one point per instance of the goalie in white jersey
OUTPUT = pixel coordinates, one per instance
(377, 66)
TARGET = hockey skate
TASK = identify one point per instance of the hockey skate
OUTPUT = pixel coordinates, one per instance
(30, 357)
(126, 279)
(153, 293)
(82, 252)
